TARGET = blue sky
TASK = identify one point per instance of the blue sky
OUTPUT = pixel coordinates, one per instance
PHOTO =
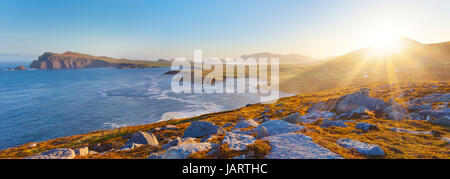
(150, 29)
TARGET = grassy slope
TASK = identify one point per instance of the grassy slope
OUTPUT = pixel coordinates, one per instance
(396, 145)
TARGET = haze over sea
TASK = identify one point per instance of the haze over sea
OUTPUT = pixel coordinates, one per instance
(38, 105)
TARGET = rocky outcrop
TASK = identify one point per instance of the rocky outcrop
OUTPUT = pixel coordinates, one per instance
(72, 60)
(202, 129)
(297, 146)
(55, 154)
(366, 127)
(19, 68)
(354, 101)
(245, 124)
(143, 138)
(326, 123)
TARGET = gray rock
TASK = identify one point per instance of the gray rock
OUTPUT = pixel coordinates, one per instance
(228, 125)
(261, 132)
(55, 154)
(178, 141)
(353, 101)
(240, 157)
(238, 142)
(397, 116)
(326, 123)
(82, 151)
(363, 148)
(308, 118)
(131, 146)
(437, 113)
(275, 127)
(293, 118)
(144, 139)
(433, 98)
(171, 127)
(245, 124)
(416, 107)
(410, 131)
(297, 146)
(416, 116)
(443, 121)
(366, 127)
(201, 129)
(183, 151)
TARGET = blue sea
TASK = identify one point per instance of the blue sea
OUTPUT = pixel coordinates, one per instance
(38, 105)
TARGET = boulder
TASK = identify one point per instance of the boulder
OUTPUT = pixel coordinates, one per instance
(82, 151)
(261, 132)
(308, 118)
(326, 123)
(131, 146)
(397, 116)
(353, 101)
(328, 105)
(201, 129)
(238, 142)
(297, 146)
(436, 113)
(178, 141)
(144, 139)
(55, 154)
(245, 124)
(170, 127)
(410, 131)
(363, 148)
(443, 121)
(366, 127)
(417, 107)
(433, 98)
(416, 116)
(183, 151)
(275, 127)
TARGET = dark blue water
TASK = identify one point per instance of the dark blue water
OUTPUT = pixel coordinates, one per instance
(38, 105)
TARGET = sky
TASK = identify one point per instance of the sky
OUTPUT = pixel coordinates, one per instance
(152, 29)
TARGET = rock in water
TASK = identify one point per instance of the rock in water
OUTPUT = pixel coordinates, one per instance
(144, 139)
(297, 146)
(19, 68)
(183, 151)
(351, 102)
(275, 127)
(238, 142)
(54, 154)
(363, 148)
(201, 129)
(245, 124)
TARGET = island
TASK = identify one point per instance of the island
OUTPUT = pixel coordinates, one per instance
(73, 60)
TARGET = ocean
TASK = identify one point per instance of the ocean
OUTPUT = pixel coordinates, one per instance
(38, 105)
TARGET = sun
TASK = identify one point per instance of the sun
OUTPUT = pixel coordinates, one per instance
(384, 40)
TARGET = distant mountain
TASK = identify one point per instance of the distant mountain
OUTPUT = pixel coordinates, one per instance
(284, 59)
(73, 60)
(404, 60)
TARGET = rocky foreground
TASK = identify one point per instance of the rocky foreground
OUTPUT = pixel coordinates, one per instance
(403, 120)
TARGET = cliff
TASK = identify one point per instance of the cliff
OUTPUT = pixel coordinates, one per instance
(72, 60)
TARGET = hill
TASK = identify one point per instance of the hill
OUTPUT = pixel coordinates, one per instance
(72, 60)
(284, 59)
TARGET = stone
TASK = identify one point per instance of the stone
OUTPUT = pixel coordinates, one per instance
(228, 125)
(183, 151)
(443, 121)
(416, 116)
(144, 139)
(171, 127)
(261, 132)
(238, 142)
(239, 157)
(410, 131)
(416, 107)
(433, 98)
(275, 127)
(326, 123)
(363, 148)
(131, 146)
(60, 153)
(353, 101)
(308, 118)
(32, 145)
(366, 127)
(436, 113)
(245, 124)
(397, 116)
(297, 146)
(82, 151)
(201, 129)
